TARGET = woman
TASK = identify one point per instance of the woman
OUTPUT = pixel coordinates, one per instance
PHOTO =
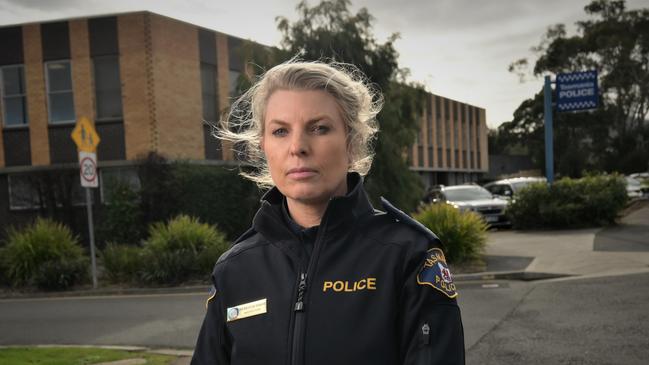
(321, 277)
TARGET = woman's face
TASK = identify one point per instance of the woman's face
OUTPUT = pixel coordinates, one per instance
(305, 143)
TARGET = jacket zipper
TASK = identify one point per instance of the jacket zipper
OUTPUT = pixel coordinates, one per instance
(297, 350)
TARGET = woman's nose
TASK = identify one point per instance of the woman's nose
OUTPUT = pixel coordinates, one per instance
(299, 144)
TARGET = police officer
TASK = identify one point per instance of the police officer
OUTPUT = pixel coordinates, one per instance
(322, 277)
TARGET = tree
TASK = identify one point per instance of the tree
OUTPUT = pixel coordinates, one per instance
(615, 137)
(329, 31)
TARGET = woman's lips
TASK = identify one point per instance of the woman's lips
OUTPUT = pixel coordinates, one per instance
(301, 173)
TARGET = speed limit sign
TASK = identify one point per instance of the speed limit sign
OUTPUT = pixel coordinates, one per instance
(88, 172)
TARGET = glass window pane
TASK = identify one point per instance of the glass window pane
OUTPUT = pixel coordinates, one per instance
(234, 81)
(108, 87)
(23, 192)
(15, 111)
(58, 76)
(209, 108)
(109, 104)
(61, 107)
(107, 74)
(208, 78)
(13, 80)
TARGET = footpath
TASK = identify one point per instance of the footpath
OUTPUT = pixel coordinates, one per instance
(609, 251)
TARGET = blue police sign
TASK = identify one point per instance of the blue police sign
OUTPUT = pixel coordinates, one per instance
(577, 91)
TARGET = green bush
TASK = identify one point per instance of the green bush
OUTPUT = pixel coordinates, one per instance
(594, 200)
(45, 254)
(182, 249)
(121, 263)
(217, 195)
(121, 216)
(463, 233)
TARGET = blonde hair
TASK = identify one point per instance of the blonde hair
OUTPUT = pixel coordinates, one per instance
(359, 104)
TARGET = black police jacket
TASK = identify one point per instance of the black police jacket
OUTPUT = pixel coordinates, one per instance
(376, 290)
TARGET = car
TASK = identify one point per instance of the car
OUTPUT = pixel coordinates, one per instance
(472, 198)
(634, 188)
(508, 188)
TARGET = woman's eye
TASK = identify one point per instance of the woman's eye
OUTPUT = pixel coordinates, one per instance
(321, 129)
(280, 132)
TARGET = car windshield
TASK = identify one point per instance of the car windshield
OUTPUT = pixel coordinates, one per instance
(632, 182)
(465, 193)
(519, 185)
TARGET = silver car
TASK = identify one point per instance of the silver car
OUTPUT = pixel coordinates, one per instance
(473, 198)
(508, 188)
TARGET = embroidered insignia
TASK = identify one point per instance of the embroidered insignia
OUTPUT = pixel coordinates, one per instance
(435, 273)
(210, 296)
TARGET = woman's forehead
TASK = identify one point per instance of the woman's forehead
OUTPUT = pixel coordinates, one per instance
(305, 105)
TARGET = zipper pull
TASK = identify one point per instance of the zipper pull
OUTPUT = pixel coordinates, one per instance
(299, 304)
(425, 333)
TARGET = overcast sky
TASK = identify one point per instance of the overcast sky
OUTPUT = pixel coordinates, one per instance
(457, 48)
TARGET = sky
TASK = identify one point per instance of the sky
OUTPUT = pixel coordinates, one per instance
(459, 49)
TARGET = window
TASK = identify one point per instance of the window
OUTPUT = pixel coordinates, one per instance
(234, 83)
(60, 99)
(440, 157)
(108, 89)
(208, 90)
(116, 180)
(430, 157)
(14, 101)
(23, 192)
(420, 156)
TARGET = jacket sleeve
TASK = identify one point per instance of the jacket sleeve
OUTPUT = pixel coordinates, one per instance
(212, 345)
(430, 323)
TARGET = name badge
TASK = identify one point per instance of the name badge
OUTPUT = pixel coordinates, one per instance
(246, 310)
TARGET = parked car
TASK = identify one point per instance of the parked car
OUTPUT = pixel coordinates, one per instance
(472, 198)
(635, 188)
(508, 188)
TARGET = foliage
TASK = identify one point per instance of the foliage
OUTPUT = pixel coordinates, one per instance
(45, 254)
(181, 249)
(121, 263)
(121, 216)
(615, 137)
(218, 196)
(329, 31)
(74, 356)
(159, 190)
(594, 200)
(463, 233)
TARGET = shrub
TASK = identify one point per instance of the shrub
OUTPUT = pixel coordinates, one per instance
(594, 200)
(218, 196)
(45, 254)
(182, 249)
(121, 262)
(463, 233)
(121, 217)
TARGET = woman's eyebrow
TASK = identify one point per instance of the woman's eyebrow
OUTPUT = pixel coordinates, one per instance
(318, 118)
(278, 121)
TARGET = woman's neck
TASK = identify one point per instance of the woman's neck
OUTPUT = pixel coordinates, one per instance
(306, 214)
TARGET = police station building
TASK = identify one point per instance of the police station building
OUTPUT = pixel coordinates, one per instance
(147, 82)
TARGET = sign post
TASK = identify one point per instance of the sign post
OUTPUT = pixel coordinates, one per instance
(576, 91)
(87, 139)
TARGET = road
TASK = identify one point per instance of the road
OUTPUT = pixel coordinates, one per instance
(578, 321)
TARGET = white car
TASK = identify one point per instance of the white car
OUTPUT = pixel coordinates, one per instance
(474, 198)
(508, 188)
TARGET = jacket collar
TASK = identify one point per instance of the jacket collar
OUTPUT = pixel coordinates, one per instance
(341, 211)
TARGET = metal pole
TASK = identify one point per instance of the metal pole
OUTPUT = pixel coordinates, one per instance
(549, 157)
(91, 232)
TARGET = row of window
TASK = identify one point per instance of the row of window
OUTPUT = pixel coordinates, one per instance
(37, 191)
(60, 96)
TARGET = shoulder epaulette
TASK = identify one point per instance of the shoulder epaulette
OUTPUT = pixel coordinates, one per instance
(251, 231)
(404, 218)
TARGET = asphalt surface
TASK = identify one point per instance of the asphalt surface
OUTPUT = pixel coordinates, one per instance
(586, 321)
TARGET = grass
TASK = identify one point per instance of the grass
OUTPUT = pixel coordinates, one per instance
(74, 356)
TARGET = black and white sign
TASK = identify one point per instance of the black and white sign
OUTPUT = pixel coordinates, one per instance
(88, 173)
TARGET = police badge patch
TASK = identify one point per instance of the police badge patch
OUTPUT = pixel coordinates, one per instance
(211, 295)
(436, 273)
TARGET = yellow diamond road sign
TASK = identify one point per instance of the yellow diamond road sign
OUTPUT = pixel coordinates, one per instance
(85, 135)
